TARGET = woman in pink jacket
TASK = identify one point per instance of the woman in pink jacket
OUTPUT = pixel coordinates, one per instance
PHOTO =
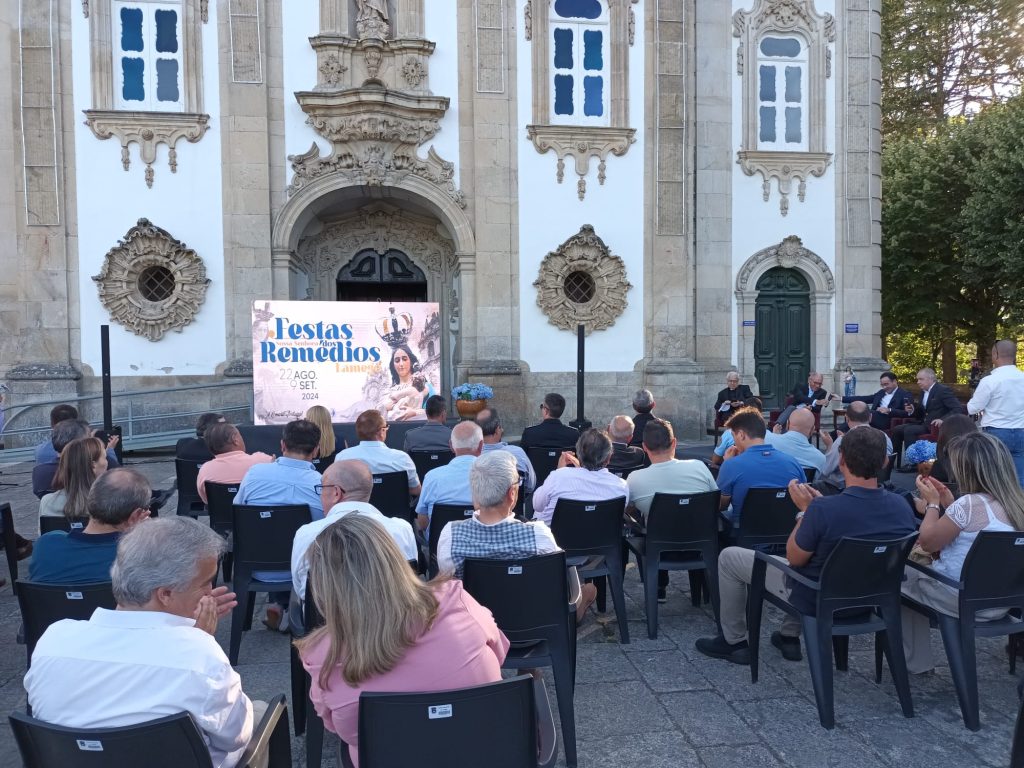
(385, 630)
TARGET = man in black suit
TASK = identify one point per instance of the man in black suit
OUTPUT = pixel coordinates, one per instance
(551, 432)
(734, 392)
(809, 395)
(195, 448)
(625, 457)
(890, 400)
(937, 402)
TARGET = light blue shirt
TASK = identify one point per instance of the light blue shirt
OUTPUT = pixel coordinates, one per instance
(45, 454)
(381, 459)
(522, 462)
(799, 447)
(446, 485)
(724, 443)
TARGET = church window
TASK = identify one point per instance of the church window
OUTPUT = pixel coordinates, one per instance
(781, 73)
(579, 35)
(147, 57)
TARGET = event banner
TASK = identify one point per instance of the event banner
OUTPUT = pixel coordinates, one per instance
(348, 357)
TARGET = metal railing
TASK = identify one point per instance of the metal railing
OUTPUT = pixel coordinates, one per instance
(142, 426)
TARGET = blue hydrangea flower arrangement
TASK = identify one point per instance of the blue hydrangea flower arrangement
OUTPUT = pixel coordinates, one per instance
(472, 392)
(922, 450)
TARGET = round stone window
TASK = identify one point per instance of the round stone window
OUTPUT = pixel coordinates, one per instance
(579, 287)
(156, 284)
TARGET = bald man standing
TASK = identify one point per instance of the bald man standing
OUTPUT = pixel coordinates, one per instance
(450, 484)
(999, 399)
(625, 457)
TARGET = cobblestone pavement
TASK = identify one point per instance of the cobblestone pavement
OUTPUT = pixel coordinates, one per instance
(659, 703)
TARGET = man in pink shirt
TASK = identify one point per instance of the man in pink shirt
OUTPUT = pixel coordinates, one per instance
(230, 461)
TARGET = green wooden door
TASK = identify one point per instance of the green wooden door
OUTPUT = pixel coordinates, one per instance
(782, 334)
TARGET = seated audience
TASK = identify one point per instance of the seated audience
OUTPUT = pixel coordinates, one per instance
(490, 424)
(863, 510)
(643, 404)
(327, 449)
(195, 448)
(796, 441)
(63, 433)
(435, 434)
(551, 432)
(992, 500)
(584, 476)
(449, 484)
(81, 462)
(725, 441)
(734, 395)
(230, 461)
(625, 457)
(891, 400)
(422, 637)
(952, 427)
(117, 501)
(857, 416)
(346, 490)
(371, 429)
(154, 656)
(752, 463)
(937, 402)
(47, 454)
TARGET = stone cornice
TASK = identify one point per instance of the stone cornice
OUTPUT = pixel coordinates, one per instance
(784, 167)
(581, 143)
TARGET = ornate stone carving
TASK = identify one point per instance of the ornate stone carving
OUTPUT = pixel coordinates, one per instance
(582, 282)
(331, 70)
(373, 57)
(151, 283)
(581, 143)
(632, 25)
(527, 19)
(148, 130)
(784, 167)
(372, 19)
(413, 72)
(790, 254)
(204, 10)
(85, 8)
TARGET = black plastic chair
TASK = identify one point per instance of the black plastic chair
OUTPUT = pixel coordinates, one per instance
(541, 629)
(858, 574)
(61, 523)
(187, 474)
(590, 532)
(458, 725)
(681, 535)
(544, 462)
(305, 717)
(390, 495)
(440, 516)
(263, 538)
(220, 501)
(167, 742)
(767, 519)
(810, 473)
(992, 577)
(43, 604)
(885, 475)
(428, 460)
(1017, 749)
(10, 541)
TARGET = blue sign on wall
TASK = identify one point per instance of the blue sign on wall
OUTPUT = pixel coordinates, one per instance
(748, 323)
(853, 327)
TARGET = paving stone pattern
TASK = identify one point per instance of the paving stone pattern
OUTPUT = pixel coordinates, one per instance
(659, 703)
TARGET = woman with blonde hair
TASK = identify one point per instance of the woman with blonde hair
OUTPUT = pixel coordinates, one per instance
(385, 630)
(81, 462)
(328, 448)
(991, 500)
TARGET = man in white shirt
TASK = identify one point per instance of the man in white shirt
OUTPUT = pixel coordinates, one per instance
(346, 490)
(372, 431)
(796, 441)
(154, 656)
(999, 399)
(584, 476)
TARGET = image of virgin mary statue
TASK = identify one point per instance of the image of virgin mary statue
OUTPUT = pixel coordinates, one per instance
(372, 20)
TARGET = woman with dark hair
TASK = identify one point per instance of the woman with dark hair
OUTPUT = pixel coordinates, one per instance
(952, 426)
(410, 389)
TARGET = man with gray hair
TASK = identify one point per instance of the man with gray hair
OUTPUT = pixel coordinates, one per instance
(118, 501)
(643, 404)
(156, 654)
(583, 476)
(450, 484)
(625, 457)
(830, 479)
(490, 424)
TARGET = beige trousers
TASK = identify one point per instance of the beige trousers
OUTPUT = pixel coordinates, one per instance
(735, 566)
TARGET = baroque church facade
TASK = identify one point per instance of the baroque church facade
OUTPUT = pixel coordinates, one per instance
(696, 182)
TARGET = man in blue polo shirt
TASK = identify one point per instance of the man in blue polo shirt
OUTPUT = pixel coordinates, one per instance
(118, 501)
(450, 484)
(752, 463)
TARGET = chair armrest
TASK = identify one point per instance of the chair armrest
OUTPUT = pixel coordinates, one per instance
(575, 588)
(932, 573)
(271, 743)
(787, 569)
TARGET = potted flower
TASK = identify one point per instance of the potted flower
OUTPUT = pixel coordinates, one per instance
(470, 399)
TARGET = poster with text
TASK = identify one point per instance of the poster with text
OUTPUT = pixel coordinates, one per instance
(348, 357)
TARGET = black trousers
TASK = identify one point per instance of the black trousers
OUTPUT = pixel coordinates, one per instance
(907, 434)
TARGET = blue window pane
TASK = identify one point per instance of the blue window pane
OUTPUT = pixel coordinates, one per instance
(767, 124)
(786, 47)
(132, 72)
(593, 57)
(563, 95)
(563, 49)
(593, 96)
(578, 9)
(131, 29)
(767, 83)
(793, 132)
(793, 95)
(166, 80)
(167, 31)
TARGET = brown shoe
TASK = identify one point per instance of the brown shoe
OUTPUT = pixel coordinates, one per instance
(273, 618)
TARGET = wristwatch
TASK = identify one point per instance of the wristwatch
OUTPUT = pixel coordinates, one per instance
(800, 516)
(932, 506)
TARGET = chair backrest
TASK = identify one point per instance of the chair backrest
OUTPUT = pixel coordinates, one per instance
(428, 460)
(220, 499)
(311, 618)
(440, 516)
(683, 519)
(544, 461)
(809, 473)
(168, 742)
(528, 596)
(61, 523)
(993, 572)
(43, 604)
(493, 725)
(886, 474)
(625, 472)
(10, 541)
(390, 494)
(187, 472)
(588, 527)
(263, 534)
(859, 571)
(767, 518)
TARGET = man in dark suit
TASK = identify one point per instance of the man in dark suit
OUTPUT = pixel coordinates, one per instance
(937, 402)
(734, 392)
(890, 400)
(643, 404)
(625, 457)
(195, 448)
(809, 395)
(551, 432)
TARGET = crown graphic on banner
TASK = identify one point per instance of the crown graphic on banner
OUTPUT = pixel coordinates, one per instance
(264, 315)
(395, 330)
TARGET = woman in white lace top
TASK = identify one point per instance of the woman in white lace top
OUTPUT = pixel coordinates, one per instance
(992, 500)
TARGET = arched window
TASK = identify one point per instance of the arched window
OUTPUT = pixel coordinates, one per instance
(782, 85)
(579, 44)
